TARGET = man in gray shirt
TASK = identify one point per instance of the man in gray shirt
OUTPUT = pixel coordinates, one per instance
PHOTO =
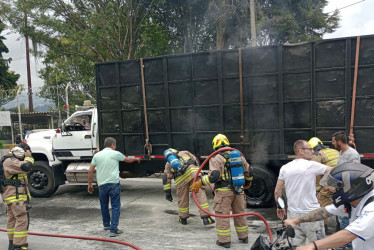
(346, 154)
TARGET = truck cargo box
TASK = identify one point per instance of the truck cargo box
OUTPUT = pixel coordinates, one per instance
(288, 92)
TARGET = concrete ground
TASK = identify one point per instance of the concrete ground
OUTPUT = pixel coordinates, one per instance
(147, 219)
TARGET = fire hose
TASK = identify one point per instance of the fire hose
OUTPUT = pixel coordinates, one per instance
(232, 215)
(194, 197)
(82, 238)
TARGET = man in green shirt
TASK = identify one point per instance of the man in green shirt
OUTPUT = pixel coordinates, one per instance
(106, 163)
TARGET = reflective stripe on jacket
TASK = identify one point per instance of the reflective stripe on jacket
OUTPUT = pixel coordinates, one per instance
(12, 166)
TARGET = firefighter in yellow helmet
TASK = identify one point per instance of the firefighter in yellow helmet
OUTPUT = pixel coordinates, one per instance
(326, 156)
(229, 196)
(182, 167)
(16, 195)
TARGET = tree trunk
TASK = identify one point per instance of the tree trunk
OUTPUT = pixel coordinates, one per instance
(221, 34)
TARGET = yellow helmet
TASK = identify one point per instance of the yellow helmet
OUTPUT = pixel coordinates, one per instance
(313, 142)
(220, 140)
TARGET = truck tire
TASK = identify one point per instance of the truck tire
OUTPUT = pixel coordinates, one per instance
(261, 193)
(41, 181)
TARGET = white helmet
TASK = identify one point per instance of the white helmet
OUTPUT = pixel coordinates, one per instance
(18, 152)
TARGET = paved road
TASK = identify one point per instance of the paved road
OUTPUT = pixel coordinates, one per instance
(148, 220)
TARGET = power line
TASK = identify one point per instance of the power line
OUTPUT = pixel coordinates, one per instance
(333, 11)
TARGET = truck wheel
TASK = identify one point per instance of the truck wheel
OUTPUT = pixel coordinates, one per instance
(261, 193)
(41, 182)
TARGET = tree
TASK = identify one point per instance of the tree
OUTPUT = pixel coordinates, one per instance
(8, 79)
(294, 21)
(76, 34)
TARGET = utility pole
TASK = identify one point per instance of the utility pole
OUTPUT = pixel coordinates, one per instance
(19, 113)
(31, 106)
(67, 99)
(58, 103)
(253, 22)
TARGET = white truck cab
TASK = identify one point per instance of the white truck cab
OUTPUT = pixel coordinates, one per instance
(77, 139)
(63, 156)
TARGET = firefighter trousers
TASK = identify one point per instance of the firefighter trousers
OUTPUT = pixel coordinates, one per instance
(224, 202)
(17, 222)
(183, 193)
(324, 199)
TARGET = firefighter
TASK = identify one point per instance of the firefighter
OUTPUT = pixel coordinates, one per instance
(229, 197)
(326, 156)
(182, 166)
(16, 195)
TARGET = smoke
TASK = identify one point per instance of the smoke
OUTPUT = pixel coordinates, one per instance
(259, 149)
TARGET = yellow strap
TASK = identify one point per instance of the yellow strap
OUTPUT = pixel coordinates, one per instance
(332, 163)
(20, 176)
(186, 176)
(224, 232)
(224, 189)
(205, 205)
(21, 234)
(241, 229)
(29, 159)
(167, 186)
(225, 177)
(205, 180)
(183, 209)
(21, 197)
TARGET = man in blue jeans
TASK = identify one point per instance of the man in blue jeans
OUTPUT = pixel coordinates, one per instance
(106, 163)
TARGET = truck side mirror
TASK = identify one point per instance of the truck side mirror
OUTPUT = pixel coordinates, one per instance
(63, 128)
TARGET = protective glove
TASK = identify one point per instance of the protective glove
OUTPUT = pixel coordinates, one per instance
(168, 195)
(248, 182)
(196, 186)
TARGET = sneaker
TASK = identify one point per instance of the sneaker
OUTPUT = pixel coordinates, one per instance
(207, 220)
(244, 240)
(106, 228)
(116, 233)
(225, 244)
(183, 221)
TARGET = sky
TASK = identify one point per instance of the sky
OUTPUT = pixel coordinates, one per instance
(355, 20)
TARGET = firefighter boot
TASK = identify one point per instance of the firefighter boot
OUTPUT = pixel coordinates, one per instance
(225, 244)
(183, 221)
(244, 240)
(10, 245)
(21, 247)
(207, 220)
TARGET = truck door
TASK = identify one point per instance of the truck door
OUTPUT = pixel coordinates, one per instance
(75, 142)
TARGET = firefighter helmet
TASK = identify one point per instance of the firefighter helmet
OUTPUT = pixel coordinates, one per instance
(18, 152)
(24, 146)
(351, 181)
(314, 142)
(220, 140)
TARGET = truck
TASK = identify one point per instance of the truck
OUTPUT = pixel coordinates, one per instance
(262, 98)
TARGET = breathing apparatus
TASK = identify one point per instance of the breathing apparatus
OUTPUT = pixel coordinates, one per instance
(237, 171)
(171, 155)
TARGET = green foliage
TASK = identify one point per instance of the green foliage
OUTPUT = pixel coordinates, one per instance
(8, 79)
(294, 21)
(76, 34)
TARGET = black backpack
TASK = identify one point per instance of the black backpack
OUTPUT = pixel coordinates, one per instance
(2, 176)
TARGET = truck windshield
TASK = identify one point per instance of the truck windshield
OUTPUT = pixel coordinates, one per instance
(79, 122)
